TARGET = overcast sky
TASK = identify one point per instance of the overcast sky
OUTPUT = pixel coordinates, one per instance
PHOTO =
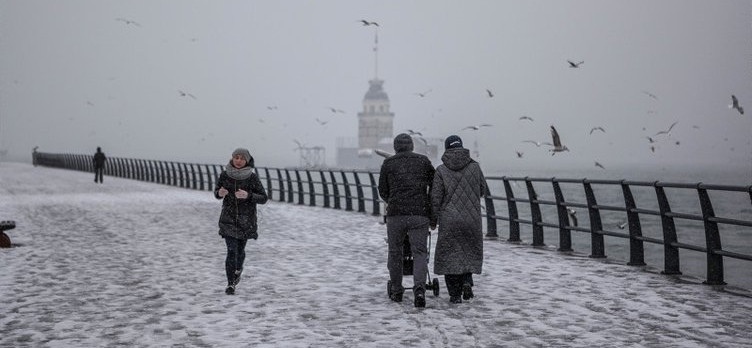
(79, 74)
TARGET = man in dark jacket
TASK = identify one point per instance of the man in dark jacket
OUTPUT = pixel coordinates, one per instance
(99, 160)
(405, 184)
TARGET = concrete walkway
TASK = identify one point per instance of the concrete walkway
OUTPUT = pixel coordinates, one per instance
(136, 264)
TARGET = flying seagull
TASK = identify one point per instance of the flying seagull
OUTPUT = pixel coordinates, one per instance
(335, 110)
(599, 165)
(526, 118)
(735, 105)
(537, 143)
(128, 21)
(667, 131)
(412, 132)
(477, 127)
(184, 94)
(423, 94)
(490, 94)
(383, 153)
(622, 224)
(367, 23)
(597, 128)
(321, 122)
(272, 107)
(558, 147)
(651, 95)
(519, 154)
(573, 64)
(573, 215)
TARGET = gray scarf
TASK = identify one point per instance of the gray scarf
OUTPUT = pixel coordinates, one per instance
(238, 174)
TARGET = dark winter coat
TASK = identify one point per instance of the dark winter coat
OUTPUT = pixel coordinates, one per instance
(238, 217)
(457, 188)
(99, 159)
(405, 184)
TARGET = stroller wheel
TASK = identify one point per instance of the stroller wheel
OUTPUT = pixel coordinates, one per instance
(435, 287)
(389, 288)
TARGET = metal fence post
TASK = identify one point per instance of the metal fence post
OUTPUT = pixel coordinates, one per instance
(712, 240)
(374, 195)
(335, 191)
(597, 244)
(536, 214)
(325, 188)
(565, 234)
(671, 252)
(514, 223)
(636, 248)
(348, 196)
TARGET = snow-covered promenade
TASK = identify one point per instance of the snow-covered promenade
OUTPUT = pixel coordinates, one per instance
(136, 264)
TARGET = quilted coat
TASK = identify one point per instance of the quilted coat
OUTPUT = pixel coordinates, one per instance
(457, 188)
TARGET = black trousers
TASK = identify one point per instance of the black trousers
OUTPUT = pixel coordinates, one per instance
(98, 174)
(454, 282)
(235, 256)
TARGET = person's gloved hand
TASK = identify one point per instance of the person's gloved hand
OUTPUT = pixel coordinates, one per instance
(222, 192)
(241, 194)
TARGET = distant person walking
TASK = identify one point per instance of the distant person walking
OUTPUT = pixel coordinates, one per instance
(457, 187)
(34, 156)
(99, 159)
(240, 190)
(405, 184)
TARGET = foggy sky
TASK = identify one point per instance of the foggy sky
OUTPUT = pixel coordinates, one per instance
(77, 74)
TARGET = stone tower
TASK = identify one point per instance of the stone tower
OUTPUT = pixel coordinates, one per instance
(375, 122)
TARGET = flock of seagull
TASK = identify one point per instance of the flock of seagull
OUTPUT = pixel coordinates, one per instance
(555, 145)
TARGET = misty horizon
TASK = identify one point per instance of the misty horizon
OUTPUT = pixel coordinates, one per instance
(191, 81)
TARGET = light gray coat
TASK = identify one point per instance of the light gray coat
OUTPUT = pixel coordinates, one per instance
(457, 188)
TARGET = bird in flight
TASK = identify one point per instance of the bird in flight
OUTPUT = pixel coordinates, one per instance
(735, 105)
(335, 110)
(128, 21)
(271, 107)
(667, 131)
(536, 143)
(477, 127)
(526, 118)
(367, 23)
(599, 165)
(321, 122)
(622, 224)
(519, 154)
(558, 147)
(597, 128)
(184, 94)
(573, 215)
(423, 94)
(651, 95)
(490, 94)
(412, 132)
(573, 64)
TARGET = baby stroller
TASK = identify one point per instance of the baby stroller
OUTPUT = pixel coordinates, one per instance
(407, 267)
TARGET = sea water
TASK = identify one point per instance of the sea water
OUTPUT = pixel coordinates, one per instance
(733, 205)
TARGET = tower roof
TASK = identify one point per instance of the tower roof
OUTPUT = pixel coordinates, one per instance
(376, 90)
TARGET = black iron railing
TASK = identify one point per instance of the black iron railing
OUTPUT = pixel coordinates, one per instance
(356, 190)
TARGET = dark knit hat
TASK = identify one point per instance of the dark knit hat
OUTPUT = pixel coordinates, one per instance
(403, 142)
(244, 153)
(452, 142)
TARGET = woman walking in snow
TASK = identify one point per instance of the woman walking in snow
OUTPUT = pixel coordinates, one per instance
(457, 187)
(240, 190)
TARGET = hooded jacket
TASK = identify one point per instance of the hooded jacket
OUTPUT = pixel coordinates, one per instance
(457, 188)
(405, 180)
(238, 217)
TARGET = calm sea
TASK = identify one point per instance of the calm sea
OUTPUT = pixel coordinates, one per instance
(734, 205)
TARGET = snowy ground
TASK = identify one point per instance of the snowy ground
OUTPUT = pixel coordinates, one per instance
(136, 264)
